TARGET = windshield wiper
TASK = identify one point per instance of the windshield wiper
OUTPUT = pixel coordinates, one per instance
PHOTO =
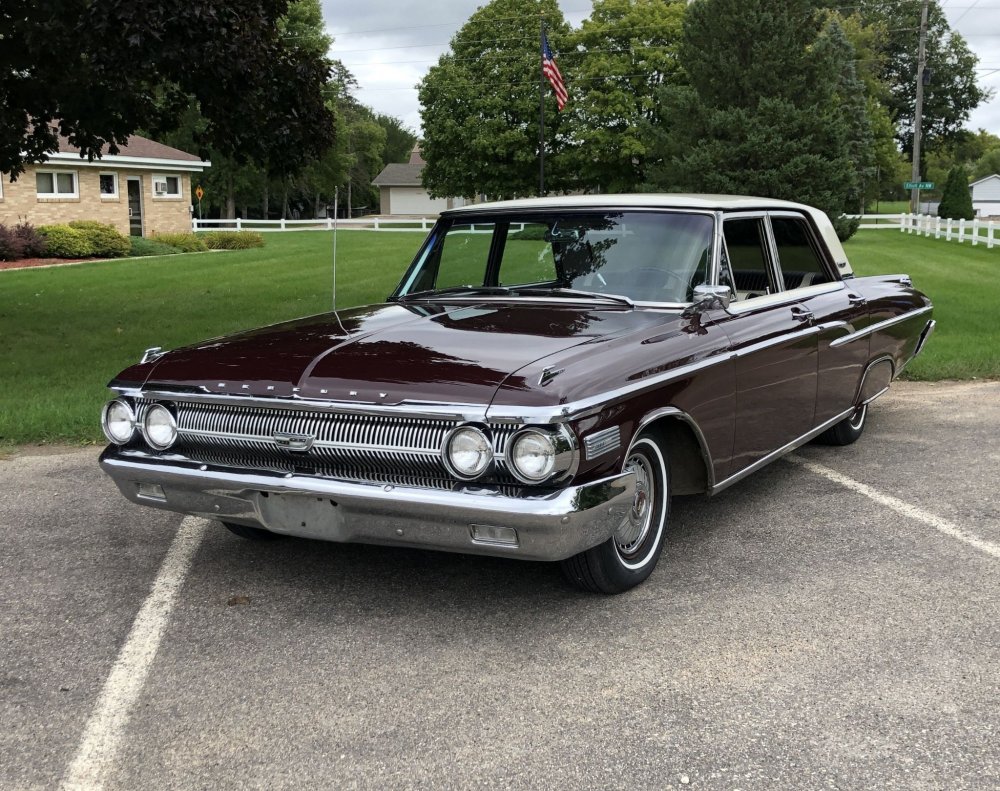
(453, 290)
(535, 291)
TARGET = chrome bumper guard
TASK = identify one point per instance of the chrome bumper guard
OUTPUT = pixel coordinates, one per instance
(543, 526)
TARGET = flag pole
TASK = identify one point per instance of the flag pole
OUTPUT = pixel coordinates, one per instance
(541, 111)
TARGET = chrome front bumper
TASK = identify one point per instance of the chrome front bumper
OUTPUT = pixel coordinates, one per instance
(548, 525)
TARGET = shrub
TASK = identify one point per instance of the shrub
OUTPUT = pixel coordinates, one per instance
(142, 247)
(11, 248)
(956, 201)
(61, 241)
(104, 240)
(185, 242)
(32, 242)
(232, 240)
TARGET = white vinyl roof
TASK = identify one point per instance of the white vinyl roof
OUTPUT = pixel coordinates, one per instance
(671, 200)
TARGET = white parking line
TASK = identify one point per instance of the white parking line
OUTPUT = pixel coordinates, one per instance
(107, 723)
(899, 506)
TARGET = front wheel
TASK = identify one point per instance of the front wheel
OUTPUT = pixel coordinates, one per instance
(630, 555)
(848, 430)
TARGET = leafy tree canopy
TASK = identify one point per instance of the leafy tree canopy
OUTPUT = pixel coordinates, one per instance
(99, 71)
(952, 91)
(480, 105)
(615, 62)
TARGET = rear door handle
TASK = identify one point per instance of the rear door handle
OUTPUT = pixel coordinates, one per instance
(801, 314)
(856, 299)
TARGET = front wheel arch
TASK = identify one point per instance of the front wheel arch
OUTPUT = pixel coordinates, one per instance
(688, 457)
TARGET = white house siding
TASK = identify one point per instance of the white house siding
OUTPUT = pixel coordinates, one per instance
(416, 201)
(986, 196)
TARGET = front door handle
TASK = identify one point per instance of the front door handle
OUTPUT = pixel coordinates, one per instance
(856, 300)
(801, 314)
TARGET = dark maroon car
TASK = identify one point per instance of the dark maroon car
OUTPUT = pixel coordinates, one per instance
(548, 373)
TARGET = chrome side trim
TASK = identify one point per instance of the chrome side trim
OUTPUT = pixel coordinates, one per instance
(795, 443)
(501, 413)
(880, 325)
(777, 341)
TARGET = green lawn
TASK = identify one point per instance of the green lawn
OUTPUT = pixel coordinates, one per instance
(64, 332)
(964, 283)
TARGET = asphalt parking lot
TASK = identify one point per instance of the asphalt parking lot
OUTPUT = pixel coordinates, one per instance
(831, 622)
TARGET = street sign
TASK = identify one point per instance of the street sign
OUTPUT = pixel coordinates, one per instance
(199, 192)
(918, 185)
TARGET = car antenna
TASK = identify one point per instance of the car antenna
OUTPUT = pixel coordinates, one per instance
(336, 215)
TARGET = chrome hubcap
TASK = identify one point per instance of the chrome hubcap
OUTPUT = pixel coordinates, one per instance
(635, 527)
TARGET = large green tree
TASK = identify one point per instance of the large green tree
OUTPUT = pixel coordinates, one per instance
(616, 61)
(952, 91)
(479, 105)
(767, 111)
(956, 202)
(98, 71)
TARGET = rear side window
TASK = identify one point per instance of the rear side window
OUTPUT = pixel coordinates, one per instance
(801, 265)
(746, 246)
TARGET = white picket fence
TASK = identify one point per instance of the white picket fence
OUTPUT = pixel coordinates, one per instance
(973, 231)
(327, 224)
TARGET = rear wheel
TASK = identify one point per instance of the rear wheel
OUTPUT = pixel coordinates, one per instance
(252, 533)
(630, 555)
(848, 430)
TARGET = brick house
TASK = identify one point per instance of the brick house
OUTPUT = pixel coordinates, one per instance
(144, 189)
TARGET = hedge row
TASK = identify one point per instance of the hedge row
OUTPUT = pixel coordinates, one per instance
(90, 239)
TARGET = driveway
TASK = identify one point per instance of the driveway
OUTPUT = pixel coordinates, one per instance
(830, 622)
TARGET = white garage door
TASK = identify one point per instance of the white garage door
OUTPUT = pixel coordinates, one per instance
(414, 200)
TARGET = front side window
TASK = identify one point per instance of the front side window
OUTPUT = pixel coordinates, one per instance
(644, 256)
(746, 247)
(801, 265)
(56, 184)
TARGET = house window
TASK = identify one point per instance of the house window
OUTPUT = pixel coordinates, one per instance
(166, 186)
(56, 184)
(109, 185)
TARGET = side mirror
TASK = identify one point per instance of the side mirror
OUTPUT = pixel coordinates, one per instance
(709, 297)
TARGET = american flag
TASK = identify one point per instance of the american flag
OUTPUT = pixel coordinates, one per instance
(551, 71)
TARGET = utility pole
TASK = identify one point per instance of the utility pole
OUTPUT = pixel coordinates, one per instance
(919, 109)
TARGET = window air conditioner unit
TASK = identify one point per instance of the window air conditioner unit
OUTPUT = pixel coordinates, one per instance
(160, 187)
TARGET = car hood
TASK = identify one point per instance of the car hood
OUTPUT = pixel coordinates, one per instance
(391, 353)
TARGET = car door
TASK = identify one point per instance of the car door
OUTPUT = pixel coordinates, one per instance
(774, 342)
(836, 309)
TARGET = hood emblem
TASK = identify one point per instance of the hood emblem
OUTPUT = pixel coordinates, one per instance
(299, 443)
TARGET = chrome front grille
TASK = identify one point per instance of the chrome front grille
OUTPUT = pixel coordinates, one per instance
(360, 446)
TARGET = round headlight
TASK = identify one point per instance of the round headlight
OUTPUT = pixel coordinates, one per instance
(468, 452)
(533, 455)
(118, 421)
(159, 427)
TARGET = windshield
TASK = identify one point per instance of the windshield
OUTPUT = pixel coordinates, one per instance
(643, 256)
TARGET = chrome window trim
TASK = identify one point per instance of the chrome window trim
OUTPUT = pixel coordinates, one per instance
(871, 329)
(818, 246)
(783, 297)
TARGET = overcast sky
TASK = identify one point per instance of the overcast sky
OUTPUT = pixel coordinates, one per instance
(390, 44)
